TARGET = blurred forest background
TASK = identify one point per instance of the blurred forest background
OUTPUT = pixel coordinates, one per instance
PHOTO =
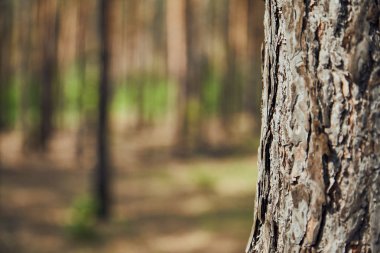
(128, 125)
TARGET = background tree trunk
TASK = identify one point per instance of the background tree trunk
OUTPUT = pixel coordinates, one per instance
(6, 38)
(184, 63)
(255, 33)
(49, 11)
(82, 22)
(319, 172)
(102, 185)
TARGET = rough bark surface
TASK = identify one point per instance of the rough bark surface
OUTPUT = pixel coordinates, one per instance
(319, 175)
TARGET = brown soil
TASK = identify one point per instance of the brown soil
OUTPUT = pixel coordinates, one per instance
(160, 204)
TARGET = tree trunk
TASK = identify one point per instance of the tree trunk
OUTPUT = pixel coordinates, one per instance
(102, 191)
(82, 24)
(319, 176)
(255, 37)
(49, 24)
(229, 90)
(190, 123)
(185, 58)
(6, 24)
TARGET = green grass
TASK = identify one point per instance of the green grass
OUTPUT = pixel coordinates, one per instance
(237, 170)
(221, 193)
(81, 223)
(204, 181)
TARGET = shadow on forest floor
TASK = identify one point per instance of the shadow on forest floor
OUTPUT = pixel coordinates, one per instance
(159, 205)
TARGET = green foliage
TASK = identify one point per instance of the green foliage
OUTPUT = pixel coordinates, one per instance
(9, 103)
(33, 102)
(231, 93)
(149, 89)
(157, 97)
(82, 218)
(79, 87)
(123, 99)
(211, 89)
(193, 112)
(90, 96)
(219, 90)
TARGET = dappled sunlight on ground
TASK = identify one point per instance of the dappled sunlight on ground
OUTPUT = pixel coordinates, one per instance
(161, 204)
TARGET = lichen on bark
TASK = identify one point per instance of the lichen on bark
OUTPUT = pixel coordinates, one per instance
(319, 157)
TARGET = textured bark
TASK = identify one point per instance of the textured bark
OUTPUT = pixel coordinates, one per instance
(319, 163)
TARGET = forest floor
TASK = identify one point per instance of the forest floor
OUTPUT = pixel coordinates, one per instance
(160, 203)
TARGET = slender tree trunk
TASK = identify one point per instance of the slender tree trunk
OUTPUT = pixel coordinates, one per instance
(140, 63)
(81, 61)
(255, 37)
(319, 176)
(102, 186)
(228, 90)
(189, 116)
(26, 21)
(193, 75)
(6, 20)
(48, 74)
(177, 63)
(235, 40)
